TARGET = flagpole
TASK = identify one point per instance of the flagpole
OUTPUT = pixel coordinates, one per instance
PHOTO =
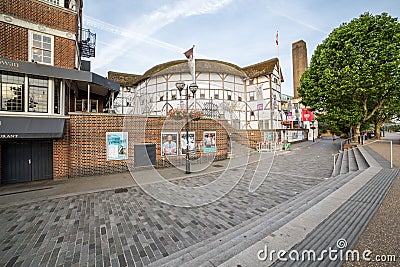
(277, 43)
(194, 67)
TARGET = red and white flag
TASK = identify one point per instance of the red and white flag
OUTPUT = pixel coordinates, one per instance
(276, 40)
(191, 62)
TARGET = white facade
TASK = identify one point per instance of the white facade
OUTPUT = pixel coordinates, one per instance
(224, 92)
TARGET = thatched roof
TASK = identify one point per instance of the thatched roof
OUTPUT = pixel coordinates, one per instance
(263, 68)
(124, 79)
(202, 65)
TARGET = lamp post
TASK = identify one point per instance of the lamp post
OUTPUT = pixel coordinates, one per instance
(180, 85)
(312, 128)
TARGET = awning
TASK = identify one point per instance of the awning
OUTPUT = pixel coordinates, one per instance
(31, 128)
(50, 71)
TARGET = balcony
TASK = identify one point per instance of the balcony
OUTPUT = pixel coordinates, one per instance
(87, 46)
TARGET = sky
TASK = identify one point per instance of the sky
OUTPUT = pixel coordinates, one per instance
(135, 35)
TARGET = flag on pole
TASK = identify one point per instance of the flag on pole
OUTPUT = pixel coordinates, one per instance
(276, 40)
(189, 54)
(191, 62)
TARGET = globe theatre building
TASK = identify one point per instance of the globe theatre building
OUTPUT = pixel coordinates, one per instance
(248, 97)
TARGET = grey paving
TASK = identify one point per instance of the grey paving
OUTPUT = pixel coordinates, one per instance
(133, 229)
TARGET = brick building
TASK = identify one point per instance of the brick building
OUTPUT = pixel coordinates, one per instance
(43, 80)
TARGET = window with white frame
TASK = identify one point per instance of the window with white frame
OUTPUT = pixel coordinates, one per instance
(41, 48)
(55, 2)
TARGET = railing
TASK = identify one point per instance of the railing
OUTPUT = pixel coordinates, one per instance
(365, 144)
(391, 149)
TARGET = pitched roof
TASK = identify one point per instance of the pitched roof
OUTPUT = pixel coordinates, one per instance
(263, 68)
(202, 65)
(124, 79)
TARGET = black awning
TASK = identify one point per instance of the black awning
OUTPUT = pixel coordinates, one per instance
(31, 128)
(51, 71)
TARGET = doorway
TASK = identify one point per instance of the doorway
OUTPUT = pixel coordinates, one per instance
(25, 161)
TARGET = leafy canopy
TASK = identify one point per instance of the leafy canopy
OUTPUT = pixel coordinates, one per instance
(355, 71)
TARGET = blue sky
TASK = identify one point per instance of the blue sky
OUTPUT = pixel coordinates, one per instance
(133, 35)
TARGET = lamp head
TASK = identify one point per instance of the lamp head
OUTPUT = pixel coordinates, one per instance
(193, 88)
(180, 85)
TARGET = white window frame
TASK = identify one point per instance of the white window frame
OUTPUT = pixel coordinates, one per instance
(30, 44)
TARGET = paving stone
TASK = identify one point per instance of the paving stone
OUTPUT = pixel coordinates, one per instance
(105, 226)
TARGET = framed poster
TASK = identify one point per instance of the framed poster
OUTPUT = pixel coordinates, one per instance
(210, 142)
(117, 145)
(192, 143)
(169, 144)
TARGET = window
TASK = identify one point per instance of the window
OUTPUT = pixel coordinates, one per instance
(56, 2)
(38, 94)
(12, 92)
(251, 96)
(240, 98)
(202, 93)
(57, 87)
(216, 94)
(229, 96)
(41, 48)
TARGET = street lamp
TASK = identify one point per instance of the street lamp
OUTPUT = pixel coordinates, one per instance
(312, 128)
(180, 85)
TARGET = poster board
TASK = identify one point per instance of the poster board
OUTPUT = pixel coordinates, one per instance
(209, 141)
(192, 143)
(117, 145)
(169, 144)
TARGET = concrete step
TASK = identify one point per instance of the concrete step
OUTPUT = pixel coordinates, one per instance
(226, 244)
(353, 166)
(348, 221)
(361, 162)
(338, 163)
(345, 162)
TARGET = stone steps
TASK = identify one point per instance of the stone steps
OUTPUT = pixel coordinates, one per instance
(349, 160)
(227, 244)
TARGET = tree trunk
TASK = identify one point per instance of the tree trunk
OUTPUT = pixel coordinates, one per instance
(378, 130)
(356, 130)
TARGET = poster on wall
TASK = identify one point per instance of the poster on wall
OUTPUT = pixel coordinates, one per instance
(192, 143)
(270, 137)
(117, 145)
(169, 143)
(210, 142)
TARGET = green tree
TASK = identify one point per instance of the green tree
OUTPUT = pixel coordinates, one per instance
(389, 110)
(355, 71)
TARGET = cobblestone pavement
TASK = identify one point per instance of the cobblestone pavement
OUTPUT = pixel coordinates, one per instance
(133, 229)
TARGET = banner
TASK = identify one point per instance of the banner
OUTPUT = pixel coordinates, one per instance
(307, 115)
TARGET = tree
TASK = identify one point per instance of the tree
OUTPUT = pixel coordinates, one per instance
(355, 71)
(389, 110)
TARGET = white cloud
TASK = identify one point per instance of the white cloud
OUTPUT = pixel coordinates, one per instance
(142, 28)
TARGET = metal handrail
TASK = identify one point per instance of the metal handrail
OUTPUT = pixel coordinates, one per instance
(365, 144)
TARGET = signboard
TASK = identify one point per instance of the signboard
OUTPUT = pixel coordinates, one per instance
(169, 141)
(117, 145)
(210, 142)
(306, 115)
(192, 143)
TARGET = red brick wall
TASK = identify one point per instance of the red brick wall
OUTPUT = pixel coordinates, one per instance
(13, 42)
(83, 150)
(64, 53)
(40, 13)
(61, 151)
